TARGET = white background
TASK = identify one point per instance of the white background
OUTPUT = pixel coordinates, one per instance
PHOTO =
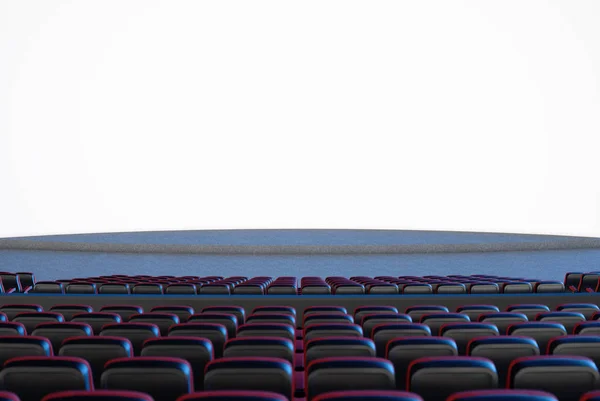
(125, 115)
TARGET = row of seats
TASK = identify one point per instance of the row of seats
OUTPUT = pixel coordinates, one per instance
(168, 378)
(352, 395)
(239, 285)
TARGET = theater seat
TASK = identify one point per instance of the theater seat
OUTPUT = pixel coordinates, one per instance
(17, 329)
(18, 346)
(233, 395)
(269, 347)
(268, 309)
(136, 333)
(567, 378)
(125, 311)
(474, 311)
(369, 321)
(331, 347)
(383, 333)
(362, 311)
(568, 319)
(502, 350)
(529, 310)
(502, 395)
(417, 312)
(31, 319)
(97, 320)
(541, 332)
(32, 378)
(404, 350)
(68, 311)
(97, 351)
(262, 374)
(463, 333)
(332, 330)
(282, 318)
(216, 333)
(183, 312)
(502, 320)
(348, 373)
(58, 332)
(235, 310)
(198, 352)
(163, 321)
(164, 379)
(98, 395)
(8, 396)
(13, 310)
(368, 395)
(587, 346)
(267, 330)
(436, 378)
(229, 320)
(436, 321)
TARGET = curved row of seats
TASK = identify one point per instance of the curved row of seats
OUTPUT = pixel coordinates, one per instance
(168, 378)
(249, 395)
(239, 285)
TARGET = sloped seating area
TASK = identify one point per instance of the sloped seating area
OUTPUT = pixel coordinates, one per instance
(324, 352)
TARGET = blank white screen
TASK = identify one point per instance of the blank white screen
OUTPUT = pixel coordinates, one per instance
(127, 115)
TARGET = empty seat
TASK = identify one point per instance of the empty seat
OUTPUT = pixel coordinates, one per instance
(436, 321)
(125, 311)
(588, 328)
(216, 333)
(48, 287)
(114, 288)
(586, 310)
(368, 395)
(370, 321)
(81, 288)
(362, 311)
(136, 333)
(541, 332)
(13, 310)
(568, 319)
(272, 318)
(196, 351)
(502, 395)
(324, 309)
(183, 312)
(567, 378)
(164, 379)
(56, 333)
(98, 395)
(31, 319)
(228, 320)
(436, 378)
(163, 321)
(234, 395)
(261, 310)
(416, 312)
(502, 350)
(332, 330)
(32, 378)
(270, 347)
(348, 373)
(15, 329)
(181, 289)
(147, 288)
(331, 347)
(235, 310)
(503, 320)
(267, 330)
(19, 346)
(96, 351)
(8, 396)
(587, 346)
(68, 311)
(383, 333)
(529, 310)
(404, 350)
(316, 318)
(463, 333)
(264, 374)
(474, 311)
(96, 320)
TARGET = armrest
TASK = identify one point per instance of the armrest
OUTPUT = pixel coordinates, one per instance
(27, 289)
(10, 291)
